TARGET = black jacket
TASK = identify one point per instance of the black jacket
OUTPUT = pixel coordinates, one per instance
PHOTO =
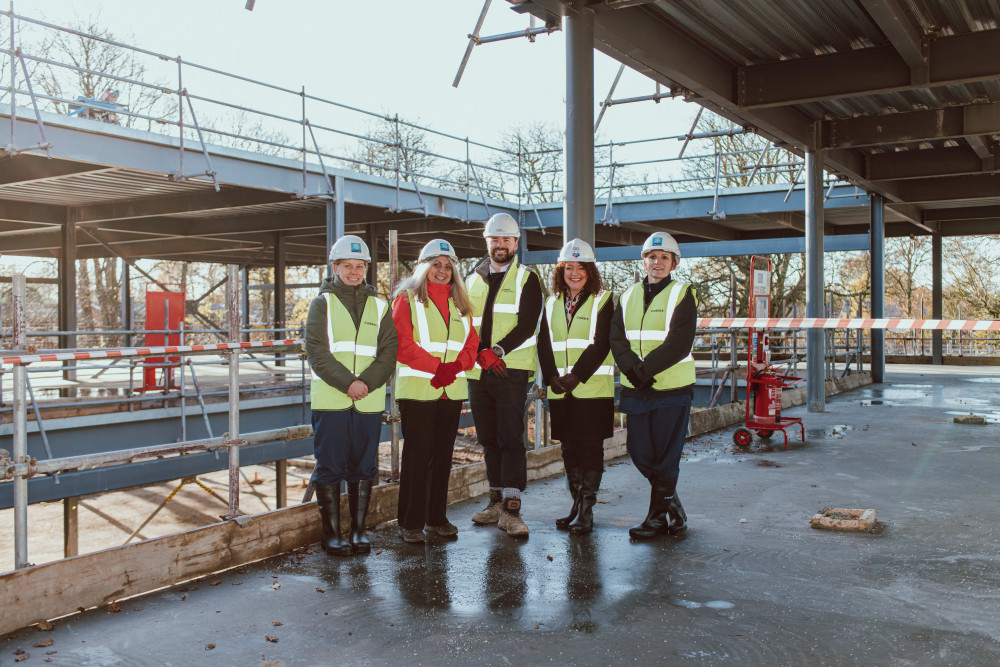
(529, 308)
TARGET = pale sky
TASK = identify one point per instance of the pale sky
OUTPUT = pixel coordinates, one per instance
(397, 56)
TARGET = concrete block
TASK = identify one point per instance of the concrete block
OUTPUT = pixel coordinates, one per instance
(835, 518)
(978, 420)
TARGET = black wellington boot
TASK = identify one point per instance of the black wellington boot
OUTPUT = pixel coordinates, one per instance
(676, 515)
(656, 523)
(328, 501)
(574, 477)
(359, 495)
(584, 523)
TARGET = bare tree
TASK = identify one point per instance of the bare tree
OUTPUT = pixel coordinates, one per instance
(394, 145)
(906, 257)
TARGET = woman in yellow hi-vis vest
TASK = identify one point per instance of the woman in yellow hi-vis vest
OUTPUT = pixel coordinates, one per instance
(651, 337)
(574, 351)
(437, 345)
(351, 347)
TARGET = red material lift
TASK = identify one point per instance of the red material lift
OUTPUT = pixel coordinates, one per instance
(763, 384)
(164, 311)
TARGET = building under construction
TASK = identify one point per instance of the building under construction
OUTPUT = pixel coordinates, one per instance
(888, 112)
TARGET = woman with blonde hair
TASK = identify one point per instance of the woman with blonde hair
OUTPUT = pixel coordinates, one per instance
(437, 344)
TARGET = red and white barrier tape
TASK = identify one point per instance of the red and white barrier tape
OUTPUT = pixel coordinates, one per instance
(703, 323)
(846, 323)
(128, 352)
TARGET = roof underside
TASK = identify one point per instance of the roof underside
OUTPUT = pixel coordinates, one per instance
(902, 96)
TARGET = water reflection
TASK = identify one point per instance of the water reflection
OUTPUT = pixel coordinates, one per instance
(423, 577)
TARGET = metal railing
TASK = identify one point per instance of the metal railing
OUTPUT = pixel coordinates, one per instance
(203, 105)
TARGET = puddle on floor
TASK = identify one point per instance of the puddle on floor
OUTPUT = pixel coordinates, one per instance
(827, 433)
(971, 401)
(984, 380)
(876, 402)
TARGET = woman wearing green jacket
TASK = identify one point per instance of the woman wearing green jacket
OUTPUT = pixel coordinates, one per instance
(351, 347)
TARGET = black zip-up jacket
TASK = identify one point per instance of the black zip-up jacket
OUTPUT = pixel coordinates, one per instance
(590, 358)
(675, 346)
(529, 309)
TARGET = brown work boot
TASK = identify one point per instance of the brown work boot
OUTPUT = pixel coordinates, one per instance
(510, 518)
(491, 513)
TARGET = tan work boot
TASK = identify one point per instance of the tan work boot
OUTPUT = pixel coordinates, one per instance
(510, 518)
(491, 513)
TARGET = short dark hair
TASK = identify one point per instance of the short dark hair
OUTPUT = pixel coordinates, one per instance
(593, 286)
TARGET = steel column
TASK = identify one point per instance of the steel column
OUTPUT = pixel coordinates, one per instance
(233, 436)
(578, 206)
(877, 232)
(334, 217)
(281, 483)
(126, 292)
(393, 407)
(279, 294)
(371, 238)
(937, 300)
(20, 417)
(67, 297)
(815, 376)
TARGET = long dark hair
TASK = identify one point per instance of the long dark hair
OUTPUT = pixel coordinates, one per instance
(561, 289)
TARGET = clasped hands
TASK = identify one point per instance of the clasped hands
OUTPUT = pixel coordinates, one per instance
(563, 384)
(357, 391)
(446, 373)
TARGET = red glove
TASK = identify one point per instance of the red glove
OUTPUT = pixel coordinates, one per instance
(446, 373)
(489, 361)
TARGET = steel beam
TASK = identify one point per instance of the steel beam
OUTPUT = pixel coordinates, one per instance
(896, 24)
(911, 126)
(23, 211)
(27, 168)
(67, 294)
(877, 231)
(578, 207)
(197, 201)
(962, 213)
(815, 350)
(932, 162)
(944, 188)
(956, 59)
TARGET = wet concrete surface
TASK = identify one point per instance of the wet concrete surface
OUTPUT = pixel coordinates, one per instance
(749, 584)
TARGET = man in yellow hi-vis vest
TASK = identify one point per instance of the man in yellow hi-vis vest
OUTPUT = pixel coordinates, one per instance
(506, 304)
(351, 347)
(652, 332)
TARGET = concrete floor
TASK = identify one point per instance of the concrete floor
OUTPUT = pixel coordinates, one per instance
(750, 584)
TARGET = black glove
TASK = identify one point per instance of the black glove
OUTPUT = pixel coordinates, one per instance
(556, 386)
(569, 381)
(634, 376)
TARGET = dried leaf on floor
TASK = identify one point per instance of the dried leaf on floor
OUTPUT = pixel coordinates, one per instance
(320, 590)
(113, 607)
(549, 557)
(45, 642)
(273, 640)
(275, 585)
(44, 625)
(22, 657)
(215, 582)
(209, 647)
(276, 623)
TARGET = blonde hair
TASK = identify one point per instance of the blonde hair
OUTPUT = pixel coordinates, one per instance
(417, 283)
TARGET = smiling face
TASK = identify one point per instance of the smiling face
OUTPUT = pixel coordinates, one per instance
(658, 265)
(440, 271)
(350, 271)
(501, 248)
(575, 275)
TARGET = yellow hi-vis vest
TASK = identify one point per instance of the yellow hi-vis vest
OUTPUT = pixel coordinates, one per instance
(355, 348)
(505, 308)
(569, 344)
(647, 330)
(443, 341)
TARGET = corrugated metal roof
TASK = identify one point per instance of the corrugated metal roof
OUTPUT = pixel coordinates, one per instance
(98, 187)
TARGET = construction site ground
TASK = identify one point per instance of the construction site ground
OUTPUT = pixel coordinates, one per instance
(750, 583)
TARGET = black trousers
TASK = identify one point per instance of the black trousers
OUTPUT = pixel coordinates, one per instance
(498, 409)
(429, 429)
(586, 455)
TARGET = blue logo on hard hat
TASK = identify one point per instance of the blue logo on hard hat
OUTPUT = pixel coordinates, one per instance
(658, 240)
(576, 252)
(444, 246)
(355, 247)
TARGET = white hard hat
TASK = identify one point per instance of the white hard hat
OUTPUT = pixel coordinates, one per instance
(577, 250)
(660, 241)
(436, 248)
(502, 224)
(350, 247)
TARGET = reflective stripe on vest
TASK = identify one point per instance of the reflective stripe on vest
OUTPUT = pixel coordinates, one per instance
(353, 347)
(505, 314)
(568, 345)
(441, 341)
(647, 328)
